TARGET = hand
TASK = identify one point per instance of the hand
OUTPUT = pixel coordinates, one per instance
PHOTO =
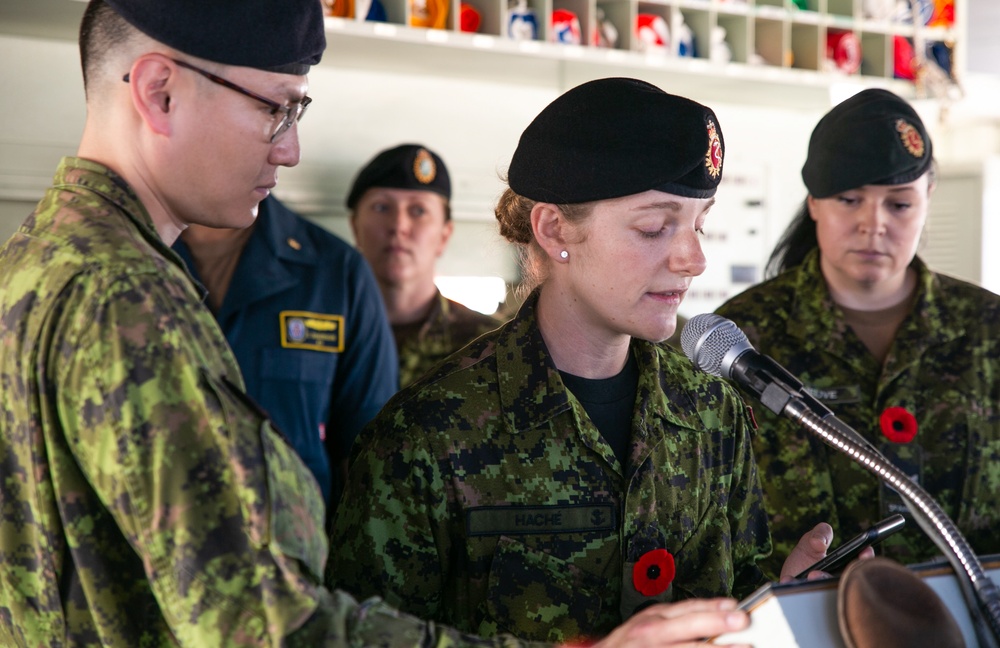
(810, 549)
(678, 625)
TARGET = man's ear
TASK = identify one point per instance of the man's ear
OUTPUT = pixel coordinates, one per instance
(151, 82)
(550, 228)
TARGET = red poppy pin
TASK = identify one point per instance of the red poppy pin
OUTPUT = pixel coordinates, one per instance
(898, 425)
(653, 572)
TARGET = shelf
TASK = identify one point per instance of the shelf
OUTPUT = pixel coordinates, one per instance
(776, 52)
(443, 53)
(741, 50)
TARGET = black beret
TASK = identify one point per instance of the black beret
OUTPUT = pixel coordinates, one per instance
(873, 138)
(275, 35)
(407, 166)
(617, 137)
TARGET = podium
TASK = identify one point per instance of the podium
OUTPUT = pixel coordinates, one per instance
(803, 614)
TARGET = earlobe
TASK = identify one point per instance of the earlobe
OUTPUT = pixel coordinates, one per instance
(150, 85)
(549, 226)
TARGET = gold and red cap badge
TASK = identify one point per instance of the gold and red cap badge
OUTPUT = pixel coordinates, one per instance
(713, 158)
(912, 141)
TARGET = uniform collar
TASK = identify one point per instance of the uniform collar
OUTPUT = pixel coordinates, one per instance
(929, 323)
(74, 172)
(436, 320)
(277, 234)
(532, 391)
(286, 236)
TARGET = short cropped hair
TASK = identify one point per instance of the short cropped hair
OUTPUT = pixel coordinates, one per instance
(102, 30)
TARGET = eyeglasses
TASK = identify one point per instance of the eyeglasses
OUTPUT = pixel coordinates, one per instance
(290, 113)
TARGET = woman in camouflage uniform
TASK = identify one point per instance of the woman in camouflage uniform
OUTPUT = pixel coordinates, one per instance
(906, 356)
(567, 470)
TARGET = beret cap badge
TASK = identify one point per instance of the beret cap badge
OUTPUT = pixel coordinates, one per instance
(713, 158)
(912, 140)
(424, 169)
(406, 166)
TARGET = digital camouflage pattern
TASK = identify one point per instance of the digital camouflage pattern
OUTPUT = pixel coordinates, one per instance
(144, 500)
(943, 367)
(448, 327)
(484, 497)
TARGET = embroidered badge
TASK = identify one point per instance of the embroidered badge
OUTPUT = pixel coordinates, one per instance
(424, 169)
(314, 331)
(911, 138)
(713, 158)
(898, 425)
(653, 572)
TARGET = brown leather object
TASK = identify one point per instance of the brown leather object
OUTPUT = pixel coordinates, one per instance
(882, 604)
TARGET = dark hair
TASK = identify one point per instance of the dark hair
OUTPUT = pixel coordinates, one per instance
(797, 241)
(101, 29)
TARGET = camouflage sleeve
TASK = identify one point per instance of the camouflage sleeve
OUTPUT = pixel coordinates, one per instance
(341, 621)
(390, 537)
(748, 517)
(198, 483)
(224, 516)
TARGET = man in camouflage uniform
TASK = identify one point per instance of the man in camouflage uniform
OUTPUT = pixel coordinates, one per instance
(145, 500)
(942, 365)
(487, 496)
(401, 219)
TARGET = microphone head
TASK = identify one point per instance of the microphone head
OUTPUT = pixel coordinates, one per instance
(708, 339)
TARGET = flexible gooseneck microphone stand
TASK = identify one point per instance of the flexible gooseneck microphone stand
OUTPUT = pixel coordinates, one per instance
(715, 345)
(981, 594)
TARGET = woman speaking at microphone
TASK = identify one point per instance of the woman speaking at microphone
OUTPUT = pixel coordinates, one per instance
(908, 357)
(567, 470)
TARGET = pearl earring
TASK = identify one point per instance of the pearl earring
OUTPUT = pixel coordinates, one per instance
(564, 254)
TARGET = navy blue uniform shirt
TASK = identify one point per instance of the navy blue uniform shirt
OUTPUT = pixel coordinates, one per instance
(306, 321)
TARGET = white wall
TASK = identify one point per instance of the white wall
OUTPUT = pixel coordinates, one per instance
(981, 34)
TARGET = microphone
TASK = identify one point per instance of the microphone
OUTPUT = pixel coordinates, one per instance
(718, 347)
